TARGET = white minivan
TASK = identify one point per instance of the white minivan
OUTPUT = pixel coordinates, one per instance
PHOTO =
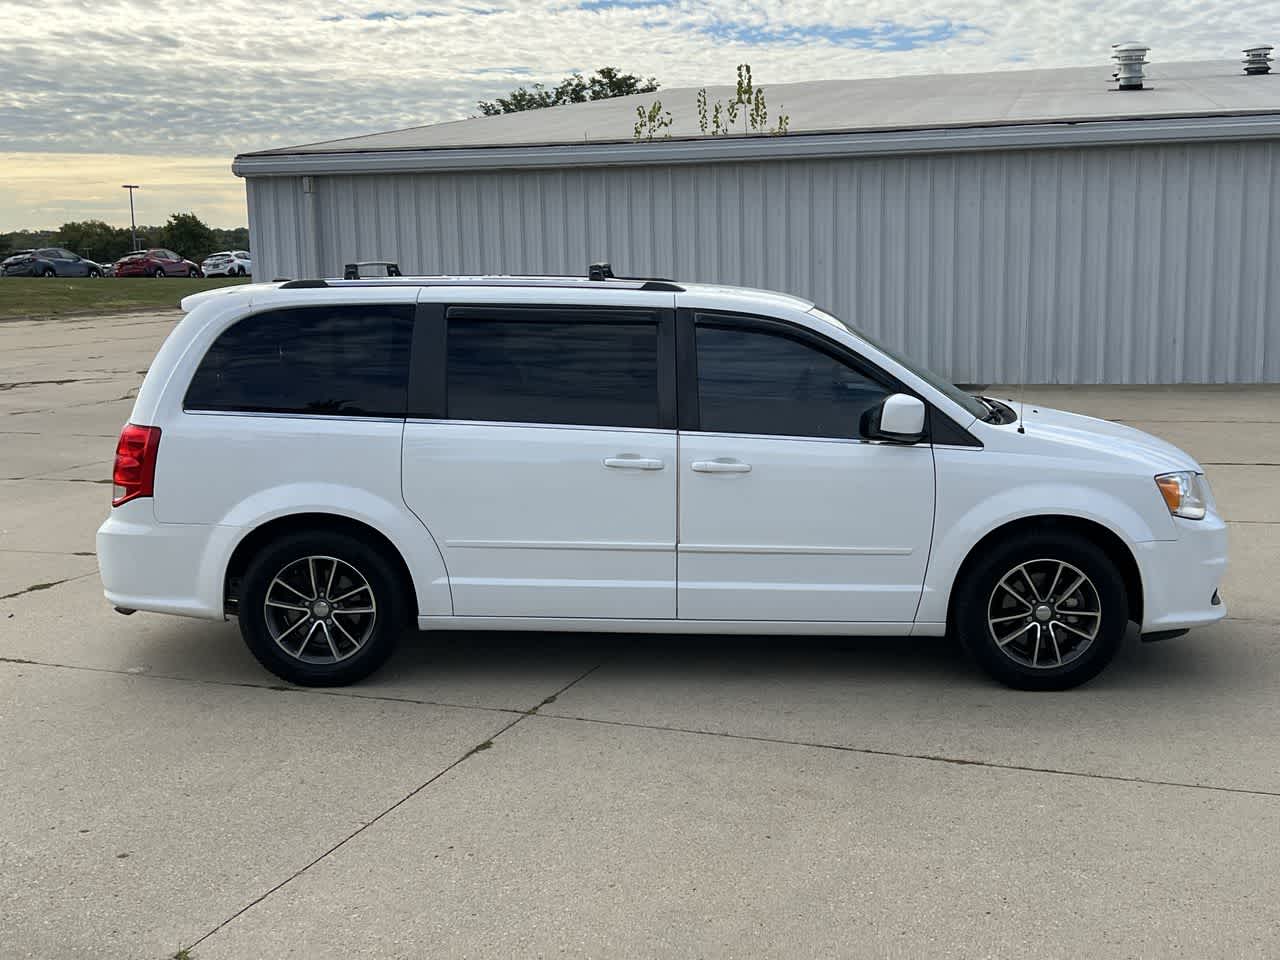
(331, 461)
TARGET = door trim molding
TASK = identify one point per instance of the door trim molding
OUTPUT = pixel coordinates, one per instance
(559, 545)
(793, 549)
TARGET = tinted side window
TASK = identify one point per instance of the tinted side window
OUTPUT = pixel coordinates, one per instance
(349, 360)
(549, 367)
(755, 381)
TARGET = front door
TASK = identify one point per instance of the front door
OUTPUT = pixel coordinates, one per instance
(542, 456)
(785, 514)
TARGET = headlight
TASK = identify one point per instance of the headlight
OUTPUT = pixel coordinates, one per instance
(1186, 494)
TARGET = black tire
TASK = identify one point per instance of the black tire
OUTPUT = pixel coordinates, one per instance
(982, 599)
(193, 273)
(48, 272)
(95, 274)
(158, 273)
(279, 559)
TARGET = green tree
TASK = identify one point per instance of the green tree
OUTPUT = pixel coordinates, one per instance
(189, 236)
(94, 239)
(604, 84)
(24, 240)
(237, 238)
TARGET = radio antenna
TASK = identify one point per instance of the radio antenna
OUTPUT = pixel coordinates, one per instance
(1026, 354)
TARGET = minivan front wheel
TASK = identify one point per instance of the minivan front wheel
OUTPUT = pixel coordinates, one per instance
(1044, 612)
(321, 609)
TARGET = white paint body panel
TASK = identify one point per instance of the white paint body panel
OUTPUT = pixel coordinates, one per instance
(524, 526)
(816, 530)
(533, 524)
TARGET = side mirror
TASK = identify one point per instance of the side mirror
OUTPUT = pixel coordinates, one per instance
(899, 419)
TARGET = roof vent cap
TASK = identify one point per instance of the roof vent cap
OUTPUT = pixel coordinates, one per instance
(1130, 58)
(1257, 60)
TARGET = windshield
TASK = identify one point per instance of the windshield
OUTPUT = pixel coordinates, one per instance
(971, 403)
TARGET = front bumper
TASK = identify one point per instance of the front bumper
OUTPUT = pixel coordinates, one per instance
(1181, 579)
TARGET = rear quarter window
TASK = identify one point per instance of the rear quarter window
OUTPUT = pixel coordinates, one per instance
(348, 360)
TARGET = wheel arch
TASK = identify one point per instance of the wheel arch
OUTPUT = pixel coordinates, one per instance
(1102, 536)
(278, 527)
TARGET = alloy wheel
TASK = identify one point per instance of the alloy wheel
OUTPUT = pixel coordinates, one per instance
(1044, 614)
(320, 610)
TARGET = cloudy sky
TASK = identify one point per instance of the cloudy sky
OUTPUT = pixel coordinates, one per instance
(96, 94)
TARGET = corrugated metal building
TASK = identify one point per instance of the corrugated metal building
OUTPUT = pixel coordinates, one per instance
(1122, 237)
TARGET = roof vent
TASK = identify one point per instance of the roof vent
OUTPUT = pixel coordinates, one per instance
(1130, 58)
(1257, 60)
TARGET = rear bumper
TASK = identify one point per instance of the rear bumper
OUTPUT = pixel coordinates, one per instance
(173, 568)
(1181, 578)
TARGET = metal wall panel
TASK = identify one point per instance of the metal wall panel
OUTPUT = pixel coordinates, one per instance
(1137, 264)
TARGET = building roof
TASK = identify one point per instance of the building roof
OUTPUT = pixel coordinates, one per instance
(895, 114)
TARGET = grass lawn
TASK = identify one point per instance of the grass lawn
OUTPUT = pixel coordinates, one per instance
(38, 297)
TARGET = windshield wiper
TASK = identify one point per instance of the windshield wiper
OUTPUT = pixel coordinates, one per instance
(1001, 413)
(993, 412)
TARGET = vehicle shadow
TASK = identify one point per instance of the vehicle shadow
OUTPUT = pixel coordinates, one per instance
(516, 670)
(915, 661)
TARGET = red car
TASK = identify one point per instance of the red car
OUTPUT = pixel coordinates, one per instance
(155, 263)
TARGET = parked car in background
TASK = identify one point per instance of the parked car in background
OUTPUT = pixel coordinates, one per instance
(228, 263)
(156, 262)
(49, 262)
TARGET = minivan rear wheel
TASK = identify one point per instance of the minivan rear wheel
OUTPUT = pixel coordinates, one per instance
(1043, 612)
(321, 609)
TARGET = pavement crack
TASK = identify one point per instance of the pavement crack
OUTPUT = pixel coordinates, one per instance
(1240, 463)
(269, 687)
(924, 757)
(36, 587)
(485, 745)
(16, 384)
(481, 747)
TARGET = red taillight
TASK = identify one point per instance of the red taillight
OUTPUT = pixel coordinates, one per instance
(134, 474)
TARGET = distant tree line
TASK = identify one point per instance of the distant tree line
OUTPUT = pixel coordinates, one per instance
(184, 233)
(605, 84)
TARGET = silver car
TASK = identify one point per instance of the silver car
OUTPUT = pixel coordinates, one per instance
(228, 263)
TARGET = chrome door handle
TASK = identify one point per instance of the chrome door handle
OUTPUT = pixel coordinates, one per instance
(634, 463)
(721, 466)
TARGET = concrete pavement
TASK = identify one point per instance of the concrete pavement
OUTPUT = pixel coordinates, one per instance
(498, 795)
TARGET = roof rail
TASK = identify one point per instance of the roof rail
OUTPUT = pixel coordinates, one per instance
(646, 285)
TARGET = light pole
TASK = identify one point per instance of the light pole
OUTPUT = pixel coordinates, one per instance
(133, 224)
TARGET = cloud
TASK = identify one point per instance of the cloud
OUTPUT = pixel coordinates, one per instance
(217, 81)
(883, 35)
